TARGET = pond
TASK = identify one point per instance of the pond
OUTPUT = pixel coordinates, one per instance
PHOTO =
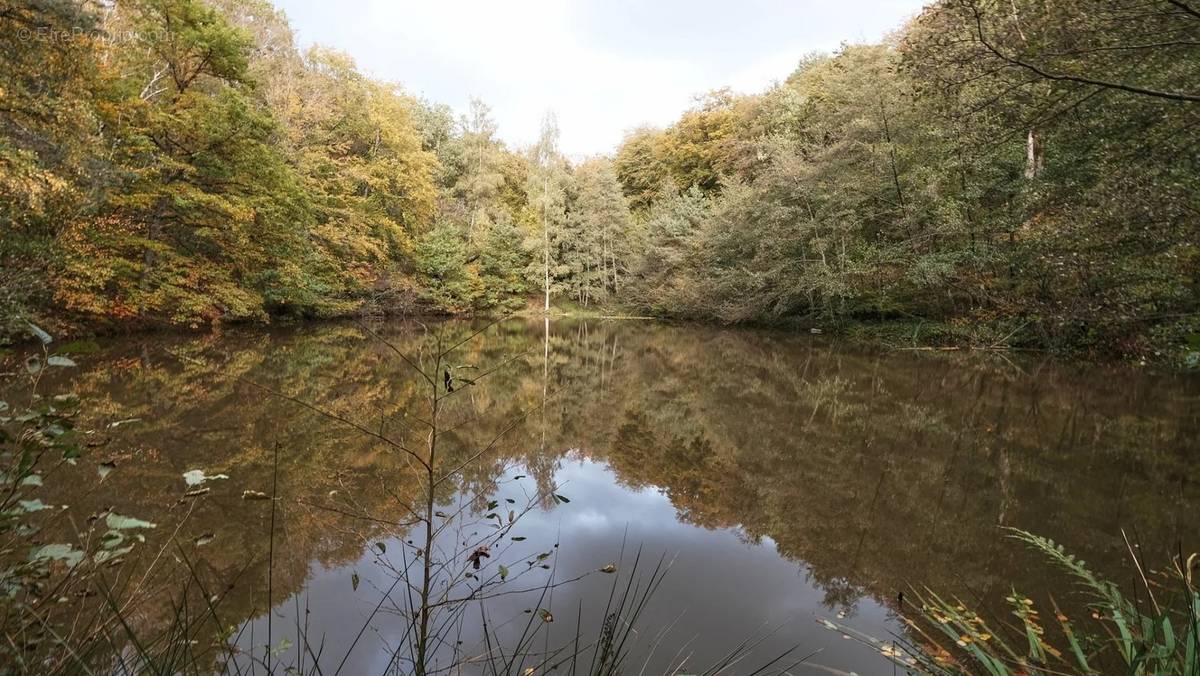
(777, 478)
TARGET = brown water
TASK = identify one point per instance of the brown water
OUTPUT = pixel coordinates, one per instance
(785, 478)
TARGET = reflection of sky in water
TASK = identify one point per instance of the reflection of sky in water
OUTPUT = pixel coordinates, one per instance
(720, 589)
(872, 471)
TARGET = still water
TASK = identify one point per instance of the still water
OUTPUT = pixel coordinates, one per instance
(779, 478)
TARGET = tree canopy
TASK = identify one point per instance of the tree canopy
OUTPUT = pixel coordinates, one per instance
(1014, 171)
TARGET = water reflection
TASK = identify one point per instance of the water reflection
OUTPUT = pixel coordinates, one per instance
(786, 477)
(720, 588)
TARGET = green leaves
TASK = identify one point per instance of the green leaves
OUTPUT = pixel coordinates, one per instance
(35, 505)
(1144, 637)
(118, 522)
(58, 552)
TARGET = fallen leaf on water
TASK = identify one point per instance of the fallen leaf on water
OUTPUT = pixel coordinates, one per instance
(354, 581)
(205, 539)
(105, 468)
(254, 495)
(546, 616)
(610, 568)
(503, 572)
(381, 547)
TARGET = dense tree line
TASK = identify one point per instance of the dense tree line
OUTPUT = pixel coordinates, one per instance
(183, 162)
(1004, 171)
(1027, 167)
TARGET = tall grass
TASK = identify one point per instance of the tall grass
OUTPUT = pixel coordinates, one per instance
(1155, 633)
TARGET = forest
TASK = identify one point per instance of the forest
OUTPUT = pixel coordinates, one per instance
(1013, 173)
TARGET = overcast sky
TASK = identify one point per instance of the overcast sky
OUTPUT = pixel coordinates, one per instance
(603, 66)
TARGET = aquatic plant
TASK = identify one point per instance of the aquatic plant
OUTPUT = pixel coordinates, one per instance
(1156, 633)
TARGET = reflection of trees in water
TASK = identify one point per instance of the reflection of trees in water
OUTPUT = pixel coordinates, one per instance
(884, 471)
(875, 470)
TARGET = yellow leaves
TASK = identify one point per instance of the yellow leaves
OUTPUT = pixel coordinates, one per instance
(1050, 649)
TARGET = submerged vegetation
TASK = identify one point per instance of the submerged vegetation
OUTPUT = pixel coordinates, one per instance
(1002, 173)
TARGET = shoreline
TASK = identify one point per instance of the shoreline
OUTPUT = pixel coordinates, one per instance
(919, 336)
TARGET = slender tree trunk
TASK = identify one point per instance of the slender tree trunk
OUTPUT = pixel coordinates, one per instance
(1034, 158)
(887, 134)
(546, 243)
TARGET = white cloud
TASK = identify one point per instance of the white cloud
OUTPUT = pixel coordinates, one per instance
(602, 66)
